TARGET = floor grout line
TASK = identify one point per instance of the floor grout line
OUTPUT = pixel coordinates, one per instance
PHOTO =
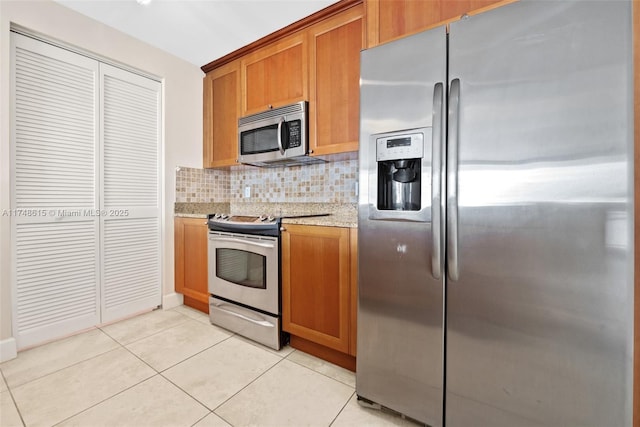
(105, 400)
(250, 382)
(13, 399)
(63, 368)
(194, 354)
(318, 372)
(342, 409)
(186, 318)
(162, 374)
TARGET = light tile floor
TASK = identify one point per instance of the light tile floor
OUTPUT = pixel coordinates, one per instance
(173, 368)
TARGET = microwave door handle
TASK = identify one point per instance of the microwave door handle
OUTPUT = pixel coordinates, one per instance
(280, 146)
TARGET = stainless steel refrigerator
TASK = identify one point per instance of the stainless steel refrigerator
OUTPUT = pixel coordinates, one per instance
(496, 219)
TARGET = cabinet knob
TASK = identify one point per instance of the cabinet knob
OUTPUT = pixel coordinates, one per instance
(270, 106)
(310, 151)
(283, 229)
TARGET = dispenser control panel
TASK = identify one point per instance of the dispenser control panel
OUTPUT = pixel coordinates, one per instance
(400, 146)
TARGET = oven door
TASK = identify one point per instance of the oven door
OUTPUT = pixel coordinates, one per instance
(244, 269)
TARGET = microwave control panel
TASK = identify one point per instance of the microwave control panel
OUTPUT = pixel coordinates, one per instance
(400, 146)
(294, 129)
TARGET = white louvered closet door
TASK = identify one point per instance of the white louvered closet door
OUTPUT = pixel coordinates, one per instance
(54, 155)
(130, 145)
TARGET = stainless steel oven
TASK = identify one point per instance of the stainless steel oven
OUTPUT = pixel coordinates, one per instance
(244, 277)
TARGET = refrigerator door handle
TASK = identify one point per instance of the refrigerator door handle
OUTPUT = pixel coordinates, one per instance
(436, 179)
(452, 181)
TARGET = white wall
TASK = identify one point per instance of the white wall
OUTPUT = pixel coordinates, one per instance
(182, 114)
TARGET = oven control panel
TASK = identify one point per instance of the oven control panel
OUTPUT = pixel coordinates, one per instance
(264, 225)
(239, 219)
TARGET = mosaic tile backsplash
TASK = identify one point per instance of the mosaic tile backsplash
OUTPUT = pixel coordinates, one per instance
(332, 182)
(202, 185)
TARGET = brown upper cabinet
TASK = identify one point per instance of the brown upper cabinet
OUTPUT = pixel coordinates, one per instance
(275, 75)
(315, 59)
(334, 93)
(221, 110)
(391, 19)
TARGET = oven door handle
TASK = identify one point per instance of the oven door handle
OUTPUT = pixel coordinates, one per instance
(264, 323)
(240, 241)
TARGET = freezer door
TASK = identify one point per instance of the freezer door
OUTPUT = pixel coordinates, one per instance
(400, 315)
(539, 311)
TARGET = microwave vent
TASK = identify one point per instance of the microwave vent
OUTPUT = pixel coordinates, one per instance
(276, 112)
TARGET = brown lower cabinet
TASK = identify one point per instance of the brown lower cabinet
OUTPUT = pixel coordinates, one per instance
(319, 291)
(191, 261)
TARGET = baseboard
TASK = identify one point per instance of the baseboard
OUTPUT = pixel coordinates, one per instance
(8, 349)
(198, 305)
(172, 301)
(330, 355)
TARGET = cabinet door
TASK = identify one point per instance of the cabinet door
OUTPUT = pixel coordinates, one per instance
(275, 75)
(221, 109)
(315, 284)
(391, 19)
(334, 92)
(191, 262)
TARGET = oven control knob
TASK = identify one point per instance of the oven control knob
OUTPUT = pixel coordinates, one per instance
(224, 216)
(270, 218)
(262, 218)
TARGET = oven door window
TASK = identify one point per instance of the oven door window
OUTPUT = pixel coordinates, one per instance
(241, 267)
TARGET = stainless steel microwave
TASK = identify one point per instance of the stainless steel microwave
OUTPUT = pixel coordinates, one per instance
(276, 137)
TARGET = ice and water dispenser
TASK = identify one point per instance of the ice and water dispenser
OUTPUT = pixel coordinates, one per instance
(402, 175)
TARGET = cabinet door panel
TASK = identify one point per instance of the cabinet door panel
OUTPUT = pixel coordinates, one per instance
(315, 284)
(335, 82)
(454, 9)
(275, 75)
(401, 17)
(221, 109)
(191, 261)
(391, 19)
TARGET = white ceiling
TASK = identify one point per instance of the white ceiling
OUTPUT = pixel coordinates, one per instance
(198, 31)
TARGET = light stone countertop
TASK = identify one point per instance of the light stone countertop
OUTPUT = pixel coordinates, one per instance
(340, 214)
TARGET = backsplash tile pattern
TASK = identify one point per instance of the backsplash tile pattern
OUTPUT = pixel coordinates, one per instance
(195, 185)
(332, 182)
